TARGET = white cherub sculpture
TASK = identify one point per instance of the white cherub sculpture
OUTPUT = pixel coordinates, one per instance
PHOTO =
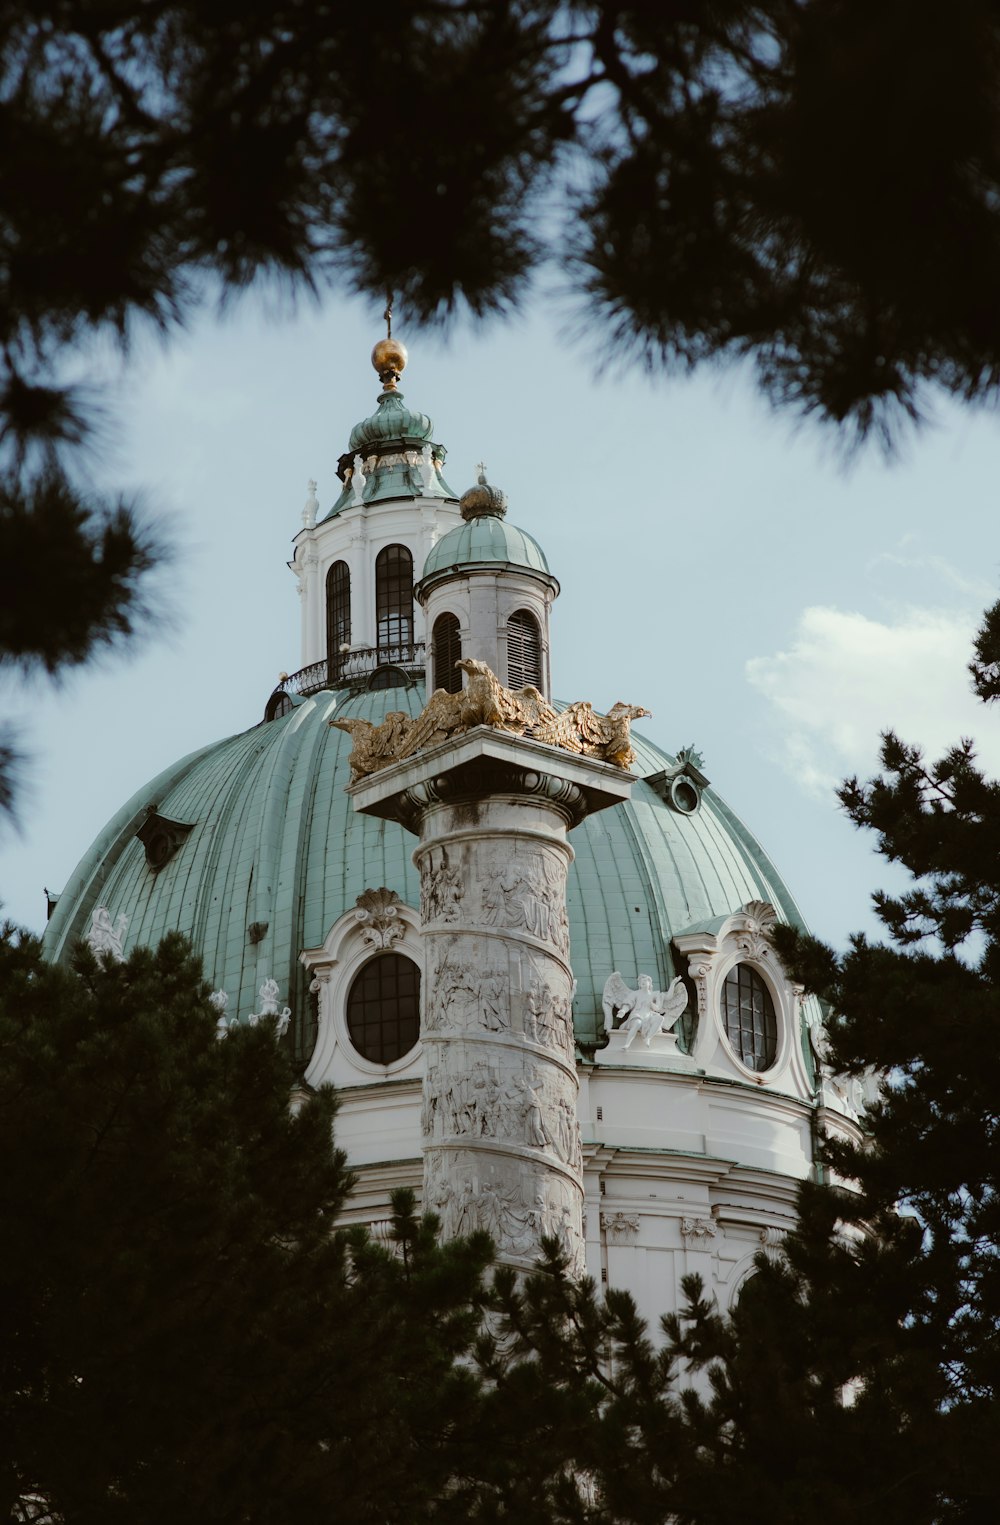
(647, 1012)
(106, 936)
(220, 1000)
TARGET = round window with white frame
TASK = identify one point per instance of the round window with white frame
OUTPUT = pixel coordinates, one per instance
(748, 1018)
(383, 1008)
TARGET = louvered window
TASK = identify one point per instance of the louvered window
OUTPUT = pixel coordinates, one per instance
(447, 651)
(524, 651)
(394, 602)
(338, 616)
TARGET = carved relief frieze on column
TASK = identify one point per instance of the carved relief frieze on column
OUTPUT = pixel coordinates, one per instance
(501, 1139)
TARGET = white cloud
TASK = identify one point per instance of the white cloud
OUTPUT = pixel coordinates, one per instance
(846, 678)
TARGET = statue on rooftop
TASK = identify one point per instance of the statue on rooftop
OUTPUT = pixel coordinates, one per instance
(485, 701)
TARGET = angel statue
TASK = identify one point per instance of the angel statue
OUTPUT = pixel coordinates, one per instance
(647, 1012)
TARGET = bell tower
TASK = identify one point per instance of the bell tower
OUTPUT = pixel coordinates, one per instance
(487, 593)
(356, 563)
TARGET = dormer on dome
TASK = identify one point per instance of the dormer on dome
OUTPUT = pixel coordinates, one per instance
(486, 592)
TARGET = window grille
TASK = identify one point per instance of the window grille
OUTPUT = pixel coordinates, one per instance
(447, 647)
(338, 616)
(394, 596)
(748, 1011)
(524, 651)
(383, 1008)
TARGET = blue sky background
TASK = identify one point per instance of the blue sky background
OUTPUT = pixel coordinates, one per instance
(719, 564)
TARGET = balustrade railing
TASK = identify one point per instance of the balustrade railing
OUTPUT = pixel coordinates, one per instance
(356, 666)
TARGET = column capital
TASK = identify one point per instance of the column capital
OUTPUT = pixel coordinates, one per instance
(485, 762)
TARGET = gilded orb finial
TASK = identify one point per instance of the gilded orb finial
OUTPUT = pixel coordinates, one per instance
(389, 356)
(389, 359)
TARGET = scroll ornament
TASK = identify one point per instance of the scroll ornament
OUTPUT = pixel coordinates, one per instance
(381, 924)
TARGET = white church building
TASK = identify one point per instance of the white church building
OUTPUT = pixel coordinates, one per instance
(541, 984)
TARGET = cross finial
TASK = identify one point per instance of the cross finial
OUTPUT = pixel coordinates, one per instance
(481, 468)
(387, 315)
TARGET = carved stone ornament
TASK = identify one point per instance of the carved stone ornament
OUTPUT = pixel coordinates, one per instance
(699, 1228)
(381, 925)
(268, 994)
(771, 1241)
(358, 480)
(106, 936)
(441, 888)
(621, 1228)
(755, 940)
(220, 1000)
(528, 894)
(484, 701)
(428, 476)
(311, 508)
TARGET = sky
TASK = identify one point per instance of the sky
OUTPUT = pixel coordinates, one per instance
(720, 564)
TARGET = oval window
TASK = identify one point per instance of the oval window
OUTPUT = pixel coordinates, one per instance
(748, 1013)
(383, 1008)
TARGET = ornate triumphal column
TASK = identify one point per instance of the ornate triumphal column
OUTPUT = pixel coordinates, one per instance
(500, 1134)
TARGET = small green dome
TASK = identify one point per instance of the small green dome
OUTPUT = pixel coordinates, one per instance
(399, 458)
(485, 539)
(392, 420)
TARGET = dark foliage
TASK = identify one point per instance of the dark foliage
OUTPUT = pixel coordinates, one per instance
(183, 1335)
(814, 184)
(857, 1376)
(925, 1010)
(91, 560)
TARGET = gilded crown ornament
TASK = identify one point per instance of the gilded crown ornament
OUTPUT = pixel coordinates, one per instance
(483, 500)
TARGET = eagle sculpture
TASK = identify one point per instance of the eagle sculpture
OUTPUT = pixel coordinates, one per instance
(485, 701)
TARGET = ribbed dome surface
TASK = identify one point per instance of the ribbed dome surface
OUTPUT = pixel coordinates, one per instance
(276, 845)
(485, 539)
(392, 420)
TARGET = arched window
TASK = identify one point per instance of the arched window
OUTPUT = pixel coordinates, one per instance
(338, 616)
(383, 1008)
(394, 601)
(447, 644)
(748, 1013)
(524, 651)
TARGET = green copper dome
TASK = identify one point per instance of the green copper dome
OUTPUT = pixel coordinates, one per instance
(485, 540)
(268, 853)
(398, 457)
(392, 420)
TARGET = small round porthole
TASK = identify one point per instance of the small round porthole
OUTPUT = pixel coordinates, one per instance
(685, 796)
(383, 1008)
